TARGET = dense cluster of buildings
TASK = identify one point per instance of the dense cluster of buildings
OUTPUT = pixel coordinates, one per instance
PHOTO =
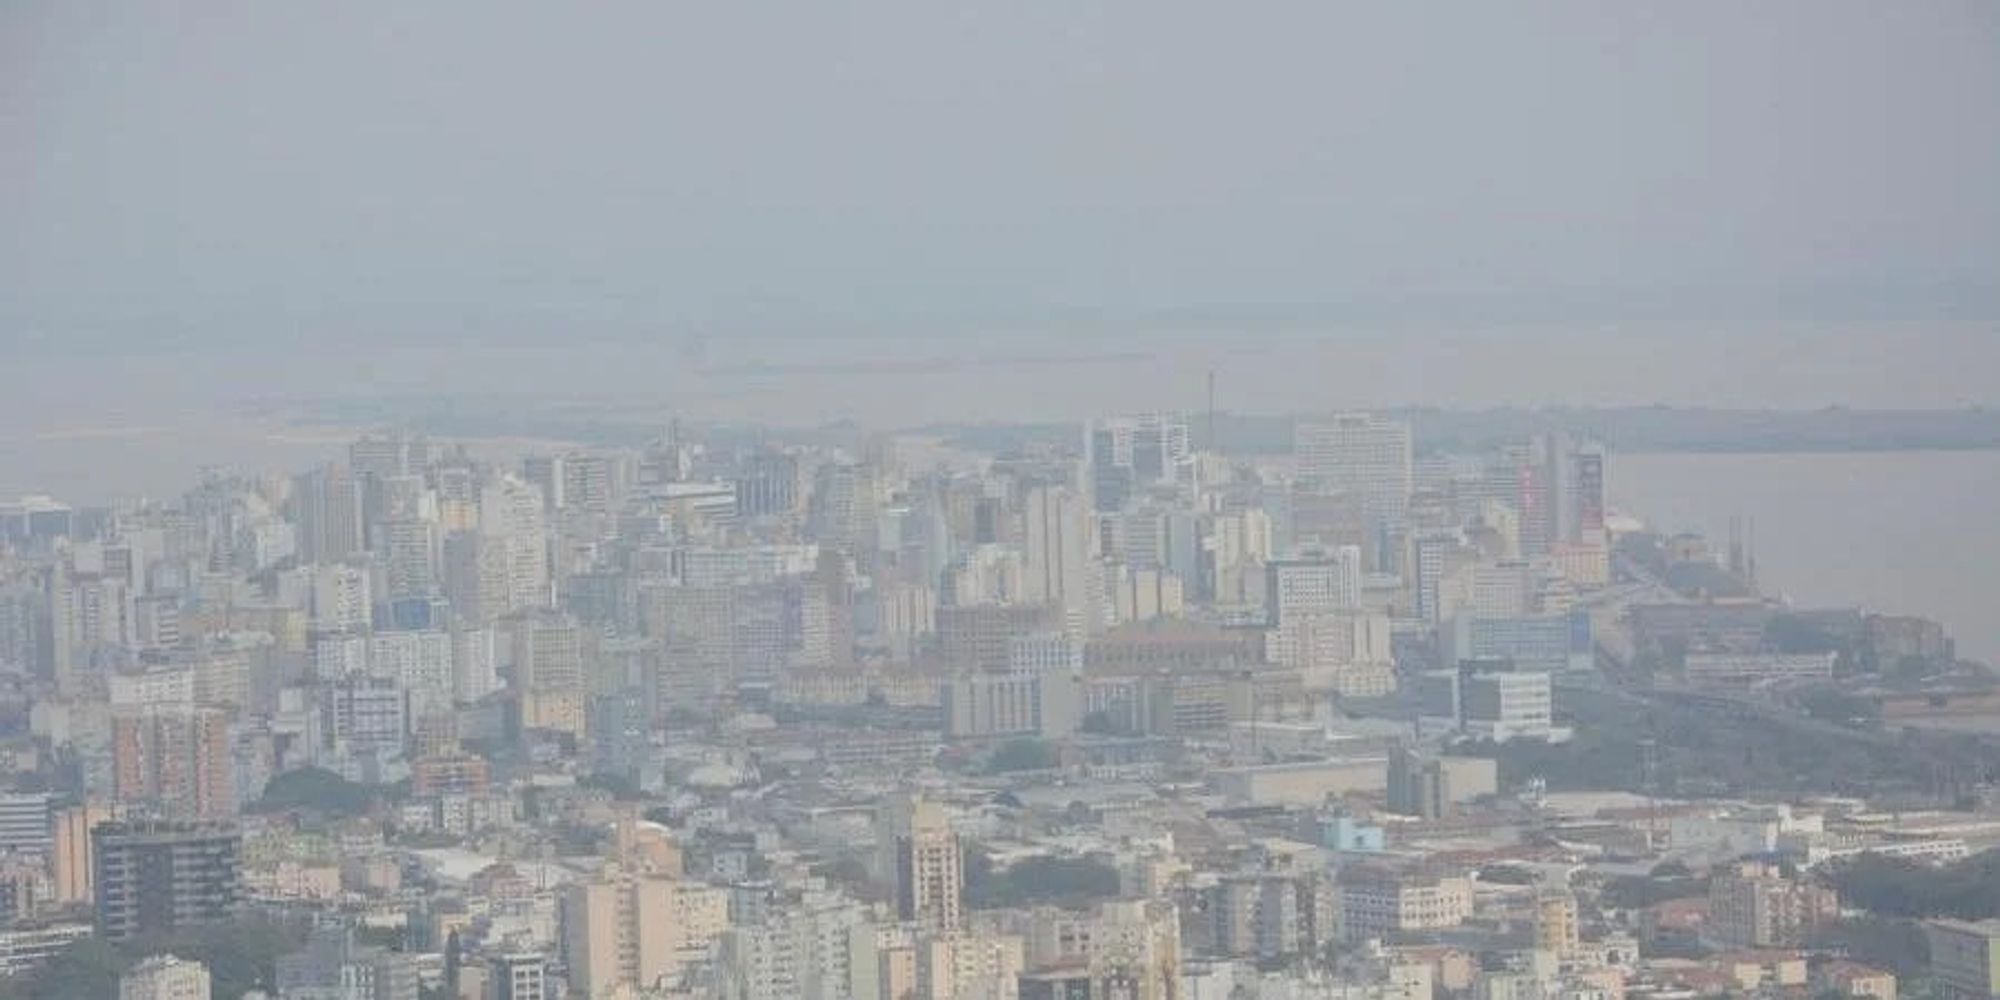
(865, 718)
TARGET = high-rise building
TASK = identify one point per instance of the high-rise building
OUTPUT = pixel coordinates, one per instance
(341, 601)
(409, 551)
(817, 946)
(157, 877)
(165, 977)
(1753, 904)
(517, 516)
(520, 976)
(1965, 956)
(328, 508)
(388, 455)
(173, 762)
(24, 822)
(1552, 643)
(922, 861)
(630, 930)
(1589, 488)
(1130, 454)
(1359, 454)
(1135, 950)
(71, 855)
(1377, 901)
(620, 727)
(419, 662)
(981, 636)
(333, 965)
(1431, 786)
(843, 507)
(1560, 493)
(768, 485)
(364, 723)
(1057, 564)
(474, 670)
(1555, 921)
(1314, 584)
(975, 965)
(1507, 705)
(590, 483)
(548, 671)
(477, 580)
(545, 473)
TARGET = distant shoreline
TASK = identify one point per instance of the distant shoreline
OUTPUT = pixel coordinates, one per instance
(1632, 430)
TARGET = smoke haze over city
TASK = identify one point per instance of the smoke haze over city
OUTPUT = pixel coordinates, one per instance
(944, 501)
(255, 175)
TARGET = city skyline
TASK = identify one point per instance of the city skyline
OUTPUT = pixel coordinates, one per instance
(938, 501)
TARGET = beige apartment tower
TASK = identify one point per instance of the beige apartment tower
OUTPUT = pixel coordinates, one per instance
(922, 862)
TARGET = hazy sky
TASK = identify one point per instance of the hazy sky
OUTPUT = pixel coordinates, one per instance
(221, 172)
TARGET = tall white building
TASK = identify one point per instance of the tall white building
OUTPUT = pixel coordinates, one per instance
(341, 599)
(1501, 706)
(511, 511)
(475, 671)
(409, 550)
(1434, 555)
(420, 663)
(802, 950)
(1360, 454)
(976, 965)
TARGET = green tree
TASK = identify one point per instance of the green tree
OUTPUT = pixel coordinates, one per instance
(1022, 755)
(317, 789)
(1046, 880)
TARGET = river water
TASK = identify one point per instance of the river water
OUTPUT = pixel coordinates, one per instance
(1914, 532)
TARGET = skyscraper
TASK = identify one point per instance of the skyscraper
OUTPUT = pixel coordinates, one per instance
(173, 762)
(1129, 455)
(768, 485)
(1057, 564)
(328, 505)
(409, 551)
(72, 854)
(628, 930)
(157, 877)
(522, 976)
(922, 861)
(548, 670)
(1314, 584)
(1361, 454)
(1135, 950)
(1561, 493)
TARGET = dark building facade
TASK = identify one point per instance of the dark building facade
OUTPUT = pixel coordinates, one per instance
(158, 877)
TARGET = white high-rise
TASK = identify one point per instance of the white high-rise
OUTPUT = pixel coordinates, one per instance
(1361, 454)
(420, 663)
(341, 601)
(511, 511)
